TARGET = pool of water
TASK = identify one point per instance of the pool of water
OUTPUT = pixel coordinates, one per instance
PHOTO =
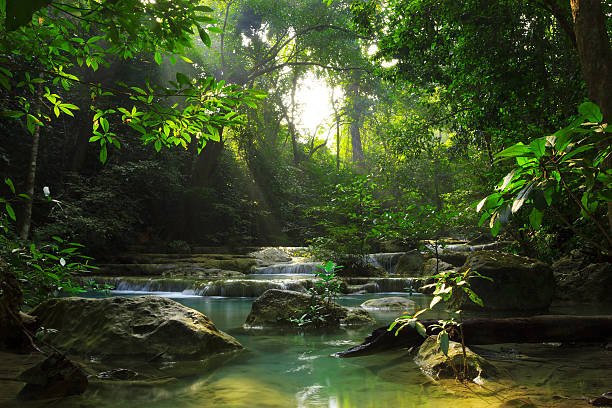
(282, 369)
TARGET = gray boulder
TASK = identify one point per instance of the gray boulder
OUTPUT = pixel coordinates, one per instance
(281, 308)
(519, 283)
(410, 264)
(592, 283)
(391, 303)
(141, 327)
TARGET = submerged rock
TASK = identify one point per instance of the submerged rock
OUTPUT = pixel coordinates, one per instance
(519, 283)
(142, 327)
(435, 363)
(280, 308)
(55, 377)
(391, 303)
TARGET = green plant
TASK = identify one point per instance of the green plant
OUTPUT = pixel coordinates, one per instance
(450, 287)
(565, 169)
(43, 270)
(326, 288)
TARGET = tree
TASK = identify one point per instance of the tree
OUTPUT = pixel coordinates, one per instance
(45, 43)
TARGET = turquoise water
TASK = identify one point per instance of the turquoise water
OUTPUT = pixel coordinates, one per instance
(296, 370)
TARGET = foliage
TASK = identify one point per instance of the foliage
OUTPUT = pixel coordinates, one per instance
(44, 270)
(567, 165)
(326, 288)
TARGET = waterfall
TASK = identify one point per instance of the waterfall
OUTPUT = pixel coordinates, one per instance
(387, 261)
(300, 268)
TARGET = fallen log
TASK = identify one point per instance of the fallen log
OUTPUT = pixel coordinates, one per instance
(536, 329)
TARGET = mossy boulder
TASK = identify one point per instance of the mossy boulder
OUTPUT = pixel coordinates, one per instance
(141, 327)
(519, 283)
(361, 270)
(410, 264)
(432, 267)
(391, 303)
(436, 364)
(279, 308)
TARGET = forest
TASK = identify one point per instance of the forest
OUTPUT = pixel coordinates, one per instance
(201, 201)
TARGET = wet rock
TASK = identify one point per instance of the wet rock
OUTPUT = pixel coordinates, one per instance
(55, 377)
(519, 283)
(277, 308)
(362, 270)
(410, 264)
(141, 327)
(433, 362)
(454, 258)
(391, 303)
(602, 401)
(118, 374)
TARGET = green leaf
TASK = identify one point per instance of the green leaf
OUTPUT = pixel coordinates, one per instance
(103, 154)
(535, 218)
(9, 183)
(10, 211)
(518, 149)
(187, 60)
(443, 341)
(591, 112)
(506, 181)
(157, 58)
(19, 13)
(495, 228)
(420, 328)
(538, 147)
(158, 145)
(204, 37)
(12, 114)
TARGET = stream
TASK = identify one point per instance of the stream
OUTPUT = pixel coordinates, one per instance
(296, 370)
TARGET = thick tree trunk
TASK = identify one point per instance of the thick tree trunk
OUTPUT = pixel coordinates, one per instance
(358, 157)
(595, 53)
(537, 329)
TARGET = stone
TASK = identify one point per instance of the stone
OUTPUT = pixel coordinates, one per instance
(519, 283)
(117, 374)
(391, 303)
(454, 258)
(362, 270)
(55, 377)
(429, 268)
(142, 327)
(434, 363)
(410, 264)
(277, 308)
(269, 256)
(590, 284)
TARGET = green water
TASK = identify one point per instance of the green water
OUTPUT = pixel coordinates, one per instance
(296, 370)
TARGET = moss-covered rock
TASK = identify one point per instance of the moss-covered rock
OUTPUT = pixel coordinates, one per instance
(592, 283)
(140, 327)
(410, 264)
(436, 364)
(361, 270)
(280, 308)
(519, 283)
(433, 266)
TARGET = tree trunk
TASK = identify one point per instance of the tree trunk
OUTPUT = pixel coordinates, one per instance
(358, 157)
(595, 53)
(206, 162)
(537, 329)
(26, 219)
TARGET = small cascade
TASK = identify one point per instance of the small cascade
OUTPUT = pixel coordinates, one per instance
(299, 268)
(387, 261)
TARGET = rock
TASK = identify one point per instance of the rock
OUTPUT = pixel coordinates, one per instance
(601, 402)
(276, 308)
(454, 258)
(429, 268)
(362, 270)
(410, 264)
(269, 256)
(519, 283)
(55, 377)
(391, 303)
(118, 374)
(434, 363)
(142, 327)
(590, 284)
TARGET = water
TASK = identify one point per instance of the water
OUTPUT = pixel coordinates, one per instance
(296, 370)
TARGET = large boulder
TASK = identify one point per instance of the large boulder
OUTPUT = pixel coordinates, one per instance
(433, 266)
(269, 256)
(391, 303)
(141, 327)
(284, 308)
(410, 264)
(55, 377)
(436, 364)
(519, 283)
(592, 283)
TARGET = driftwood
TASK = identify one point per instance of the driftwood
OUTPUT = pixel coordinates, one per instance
(537, 329)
